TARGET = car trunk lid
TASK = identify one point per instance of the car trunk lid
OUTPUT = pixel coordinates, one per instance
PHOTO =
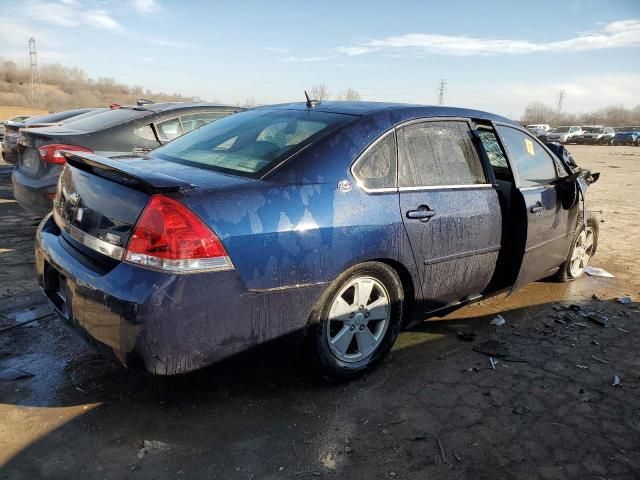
(99, 199)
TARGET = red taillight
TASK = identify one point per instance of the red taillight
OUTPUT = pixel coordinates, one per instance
(169, 236)
(53, 153)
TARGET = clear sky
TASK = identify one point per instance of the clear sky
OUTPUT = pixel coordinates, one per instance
(495, 55)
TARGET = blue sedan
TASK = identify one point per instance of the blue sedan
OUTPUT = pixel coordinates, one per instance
(343, 221)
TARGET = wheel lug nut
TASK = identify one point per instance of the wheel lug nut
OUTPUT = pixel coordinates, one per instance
(366, 315)
(352, 328)
(351, 315)
(361, 328)
(361, 307)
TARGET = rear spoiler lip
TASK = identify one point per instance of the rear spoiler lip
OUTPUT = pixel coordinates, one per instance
(126, 173)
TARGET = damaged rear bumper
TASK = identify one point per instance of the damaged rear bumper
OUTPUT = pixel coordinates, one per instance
(165, 323)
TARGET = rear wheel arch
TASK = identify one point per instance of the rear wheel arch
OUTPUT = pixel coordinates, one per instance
(319, 325)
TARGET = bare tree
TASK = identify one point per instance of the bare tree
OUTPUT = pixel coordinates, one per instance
(350, 95)
(538, 112)
(249, 102)
(319, 92)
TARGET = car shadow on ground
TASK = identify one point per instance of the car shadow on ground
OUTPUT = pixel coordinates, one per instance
(548, 403)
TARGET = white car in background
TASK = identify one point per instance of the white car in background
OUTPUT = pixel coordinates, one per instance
(538, 126)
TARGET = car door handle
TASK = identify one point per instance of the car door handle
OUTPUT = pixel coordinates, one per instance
(537, 209)
(421, 213)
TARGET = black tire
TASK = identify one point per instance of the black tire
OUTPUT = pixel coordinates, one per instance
(328, 364)
(564, 274)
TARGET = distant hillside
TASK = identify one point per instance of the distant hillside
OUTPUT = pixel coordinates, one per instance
(67, 88)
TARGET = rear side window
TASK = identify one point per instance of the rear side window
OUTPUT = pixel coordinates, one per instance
(534, 165)
(197, 120)
(376, 168)
(492, 147)
(250, 142)
(437, 153)
(169, 129)
(145, 132)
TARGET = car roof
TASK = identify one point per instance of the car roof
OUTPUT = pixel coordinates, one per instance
(168, 106)
(365, 108)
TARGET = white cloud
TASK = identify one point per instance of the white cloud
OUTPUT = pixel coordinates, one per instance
(146, 6)
(625, 33)
(70, 14)
(101, 20)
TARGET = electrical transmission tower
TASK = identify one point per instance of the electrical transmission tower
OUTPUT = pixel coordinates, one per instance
(441, 90)
(36, 92)
(561, 96)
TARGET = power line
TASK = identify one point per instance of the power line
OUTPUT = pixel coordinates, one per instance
(442, 89)
(36, 91)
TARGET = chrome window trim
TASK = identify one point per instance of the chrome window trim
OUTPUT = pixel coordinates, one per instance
(87, 240)
(447, 187)
(535, 187)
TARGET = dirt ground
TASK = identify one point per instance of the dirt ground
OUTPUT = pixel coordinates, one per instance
(435, 409)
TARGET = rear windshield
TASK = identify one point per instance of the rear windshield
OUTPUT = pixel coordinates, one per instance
(249, 143)
(57, 117)
(593, 130)
(562, 130)
(105, 119)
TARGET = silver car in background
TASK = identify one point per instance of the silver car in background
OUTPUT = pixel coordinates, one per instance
(565, 134)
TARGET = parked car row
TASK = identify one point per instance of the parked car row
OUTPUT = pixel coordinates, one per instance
(340, 221)
(109, 132)
(589, 135)
(17, 119)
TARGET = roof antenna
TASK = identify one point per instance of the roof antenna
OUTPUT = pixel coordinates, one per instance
(311, 103)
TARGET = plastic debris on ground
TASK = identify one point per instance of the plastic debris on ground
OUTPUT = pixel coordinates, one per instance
(624, 300)
(498, 321)
(598, 318)
(616, 381)
(493, 362)
(597, 272)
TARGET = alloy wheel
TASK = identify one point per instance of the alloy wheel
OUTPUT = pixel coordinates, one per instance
(582, 252)
(358, 319)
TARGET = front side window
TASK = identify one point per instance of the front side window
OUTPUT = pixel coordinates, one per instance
(534, 165)
(249, 142)
(377, 167)
(437, 153)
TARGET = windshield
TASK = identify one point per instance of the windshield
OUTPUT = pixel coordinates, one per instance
(593, 130)
(250, 142)
(562, 130)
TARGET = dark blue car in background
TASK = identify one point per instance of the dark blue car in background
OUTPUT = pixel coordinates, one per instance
(345, 221)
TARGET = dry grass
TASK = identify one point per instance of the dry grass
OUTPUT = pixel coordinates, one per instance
(7, 113)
